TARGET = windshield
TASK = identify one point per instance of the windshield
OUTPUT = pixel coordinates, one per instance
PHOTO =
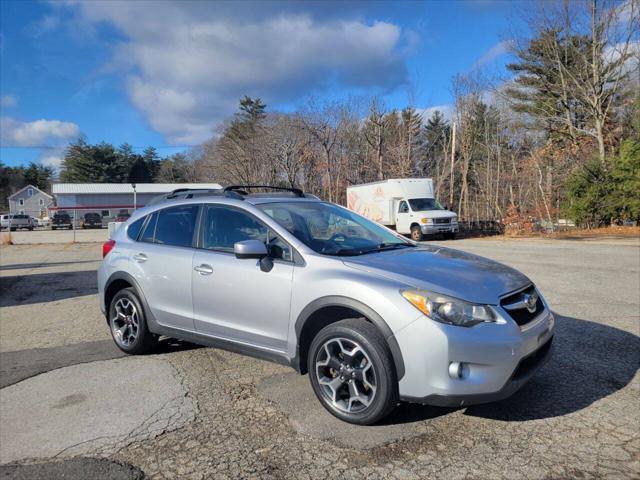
(332, 230)
(422, 204)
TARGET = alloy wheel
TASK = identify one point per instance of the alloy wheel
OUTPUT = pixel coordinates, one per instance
(346, 375)
(125, 324)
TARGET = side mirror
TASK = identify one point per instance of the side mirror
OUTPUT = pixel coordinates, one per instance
(254, 249)
(250, 249)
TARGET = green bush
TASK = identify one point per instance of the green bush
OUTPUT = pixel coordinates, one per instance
(625, 174)
(598, 194)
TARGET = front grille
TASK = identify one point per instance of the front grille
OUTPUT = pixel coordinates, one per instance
(522, 316)
(441, 220)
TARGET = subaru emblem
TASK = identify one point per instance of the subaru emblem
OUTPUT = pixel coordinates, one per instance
(531, 301)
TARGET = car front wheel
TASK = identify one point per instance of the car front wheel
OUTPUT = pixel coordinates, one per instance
(128, 324)
(352, 373)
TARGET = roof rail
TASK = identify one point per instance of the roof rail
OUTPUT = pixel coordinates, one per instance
(185, 193)
(240, 189)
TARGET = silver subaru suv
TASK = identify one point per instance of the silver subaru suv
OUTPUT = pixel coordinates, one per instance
(372, 317)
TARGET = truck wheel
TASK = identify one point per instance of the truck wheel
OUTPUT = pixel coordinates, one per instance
(451, 236)
(352, 373)
(416, 233)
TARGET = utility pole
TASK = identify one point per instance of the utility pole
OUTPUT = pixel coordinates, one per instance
(134, 196)
(453, 156)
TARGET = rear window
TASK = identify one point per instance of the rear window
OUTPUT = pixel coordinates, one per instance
(21, 217)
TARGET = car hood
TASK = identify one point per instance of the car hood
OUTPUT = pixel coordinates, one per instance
(444, 270)
(435, 213)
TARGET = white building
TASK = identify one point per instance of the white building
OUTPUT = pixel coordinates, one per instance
(30, 200)
(112, 199)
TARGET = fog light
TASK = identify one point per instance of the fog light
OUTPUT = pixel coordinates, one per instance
(456, 370)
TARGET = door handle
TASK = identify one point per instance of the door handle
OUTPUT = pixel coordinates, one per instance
(204, 269)
(140, 258)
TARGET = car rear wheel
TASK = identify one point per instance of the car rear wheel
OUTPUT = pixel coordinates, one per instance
(352, 373)
(128, 324)
(416, 233)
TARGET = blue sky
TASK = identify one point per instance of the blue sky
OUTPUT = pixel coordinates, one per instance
(168, 73)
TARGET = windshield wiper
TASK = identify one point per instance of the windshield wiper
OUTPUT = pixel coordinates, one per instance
(389, 245)
(349, 252)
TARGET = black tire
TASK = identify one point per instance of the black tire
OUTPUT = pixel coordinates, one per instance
(145, 341)
(450, 236)
(365, 335)
(416, 233)
(70, 227)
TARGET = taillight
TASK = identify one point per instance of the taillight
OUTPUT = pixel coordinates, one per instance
(107, 247)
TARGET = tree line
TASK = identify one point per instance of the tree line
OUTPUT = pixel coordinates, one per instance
(558, 140)
(561, 139)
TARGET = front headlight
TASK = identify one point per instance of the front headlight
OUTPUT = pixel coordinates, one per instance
(449, 310)
(426, 220)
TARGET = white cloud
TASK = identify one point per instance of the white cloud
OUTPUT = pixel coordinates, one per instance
(494, 52)
(52, 160)
(187, 64)
(446, 110)
(8, 101)
(14, 133)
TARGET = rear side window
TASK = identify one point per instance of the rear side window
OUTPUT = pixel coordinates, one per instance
(175, 226)
(133, 230)
(149, 230)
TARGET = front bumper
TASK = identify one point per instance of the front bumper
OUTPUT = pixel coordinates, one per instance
(527, 367)
(432, 229)
(498, 359)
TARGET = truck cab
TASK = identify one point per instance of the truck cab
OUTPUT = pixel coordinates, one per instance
(425, 216)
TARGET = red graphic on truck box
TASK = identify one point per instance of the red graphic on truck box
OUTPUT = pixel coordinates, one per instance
(364, 208)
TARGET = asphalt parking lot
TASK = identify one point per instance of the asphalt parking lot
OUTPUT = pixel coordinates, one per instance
(71, 404)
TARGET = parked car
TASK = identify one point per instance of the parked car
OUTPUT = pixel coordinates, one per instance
(5, 221)
(122, 217)
(372, 317)
(61, 220)
(91, 220)
(16, 221)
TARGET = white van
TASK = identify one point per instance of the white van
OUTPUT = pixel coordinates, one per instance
(406, 204)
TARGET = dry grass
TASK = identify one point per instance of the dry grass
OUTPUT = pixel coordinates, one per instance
(613, 231)
(583, 233)
(5, 238)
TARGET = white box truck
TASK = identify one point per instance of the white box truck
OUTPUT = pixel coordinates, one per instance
(406, 204)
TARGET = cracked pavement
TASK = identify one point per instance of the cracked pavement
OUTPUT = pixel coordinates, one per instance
(246, 418)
